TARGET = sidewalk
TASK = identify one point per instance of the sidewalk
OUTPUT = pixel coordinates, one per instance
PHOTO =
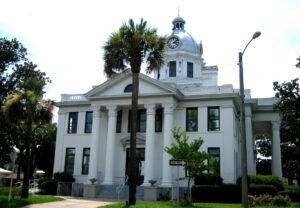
(72, 202)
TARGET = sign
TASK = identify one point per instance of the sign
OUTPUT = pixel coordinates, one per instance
(178, 163)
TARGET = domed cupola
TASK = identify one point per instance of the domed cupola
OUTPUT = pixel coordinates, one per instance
(183, 62)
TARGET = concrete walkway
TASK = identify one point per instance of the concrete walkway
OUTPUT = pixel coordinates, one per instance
(72, 202)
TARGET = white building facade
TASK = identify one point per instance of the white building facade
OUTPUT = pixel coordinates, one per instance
(94, 130)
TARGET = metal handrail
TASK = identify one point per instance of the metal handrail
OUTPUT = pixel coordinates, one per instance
(121, 186)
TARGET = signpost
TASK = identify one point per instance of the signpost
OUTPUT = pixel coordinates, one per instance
(178, 163)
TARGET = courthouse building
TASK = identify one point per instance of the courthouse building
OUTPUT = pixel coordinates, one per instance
(93, 135)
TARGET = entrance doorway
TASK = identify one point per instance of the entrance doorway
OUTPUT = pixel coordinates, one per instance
(140, 164)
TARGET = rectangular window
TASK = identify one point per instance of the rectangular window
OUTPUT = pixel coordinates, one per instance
(190, 70)
(172, 69)
(214, 160)
(192, 119)
(85, 161)
(158, 120)
(141, 120)
(72, 124)
(88, 122)
(213, 118)
(69, 160)
(119, 122)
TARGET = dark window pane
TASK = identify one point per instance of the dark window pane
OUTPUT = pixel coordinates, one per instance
(158, 120)
(141, 120)
(119, 122)
(172, 69)
(69, 160)
(88, 122)
(191, 119)
(128, 88)
(214, 160)
(72, 124)
(213, 118)
(85, 161)
(190, 70)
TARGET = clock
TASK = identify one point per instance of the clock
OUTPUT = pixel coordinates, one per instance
(173, 42)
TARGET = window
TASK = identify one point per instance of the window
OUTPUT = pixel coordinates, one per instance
(192, 119)
(85, 161)
(190, 70)
(119, 122)
(158, 120)
(141, 120)
(214, 161)
(172, 69)
(72, 124)
(88, 122)
(128, 88)
(213, 119)
(69, 160)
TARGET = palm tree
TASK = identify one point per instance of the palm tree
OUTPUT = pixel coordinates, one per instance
(127, 48)
(28, 108)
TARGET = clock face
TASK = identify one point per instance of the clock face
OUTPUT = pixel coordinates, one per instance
(173, 42)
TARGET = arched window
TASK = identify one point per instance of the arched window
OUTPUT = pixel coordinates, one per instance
(128, 88)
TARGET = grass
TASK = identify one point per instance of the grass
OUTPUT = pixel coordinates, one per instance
(173, 205)
(32, 199)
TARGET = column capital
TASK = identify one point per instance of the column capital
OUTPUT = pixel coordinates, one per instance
(150, 108)
(112, 110)
(96, 111)
(168, 108)
(275, 125)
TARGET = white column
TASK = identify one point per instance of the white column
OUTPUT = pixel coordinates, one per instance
(110, 145)
(93, 166)
(149, 154)
(276, 150)
(61, 130)
(168, 125)
(249, 142)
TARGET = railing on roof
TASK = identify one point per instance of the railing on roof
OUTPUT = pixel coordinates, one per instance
(72, 97)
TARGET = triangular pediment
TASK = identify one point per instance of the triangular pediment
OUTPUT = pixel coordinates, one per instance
(114, 87)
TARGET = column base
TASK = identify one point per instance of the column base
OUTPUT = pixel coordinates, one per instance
(107, 183)
(166, 184)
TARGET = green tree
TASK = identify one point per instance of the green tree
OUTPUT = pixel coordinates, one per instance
(127, 49)
(184, 149)
(28, 109)
(289, 106)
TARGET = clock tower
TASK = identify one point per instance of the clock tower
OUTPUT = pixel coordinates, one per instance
(184, 64)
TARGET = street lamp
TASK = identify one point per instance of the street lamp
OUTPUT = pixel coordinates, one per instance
(243, 132)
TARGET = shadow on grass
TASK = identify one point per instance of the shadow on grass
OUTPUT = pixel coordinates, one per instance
(19, 202)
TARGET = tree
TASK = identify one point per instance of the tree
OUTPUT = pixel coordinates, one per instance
(28, 109)
(289, 106)
(182, 148)
(128, 48)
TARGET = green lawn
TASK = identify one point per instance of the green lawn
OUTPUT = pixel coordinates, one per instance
(32, 199)
(173, 205)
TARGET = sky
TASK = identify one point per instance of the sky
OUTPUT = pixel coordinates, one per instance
(65, 38)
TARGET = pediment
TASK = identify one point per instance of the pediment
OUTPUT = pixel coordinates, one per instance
(114, 87)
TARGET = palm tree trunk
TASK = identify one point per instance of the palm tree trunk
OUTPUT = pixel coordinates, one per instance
(134, 108)
(26, 170)
(25, 187)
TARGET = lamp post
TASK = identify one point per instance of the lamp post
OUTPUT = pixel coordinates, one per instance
(243, 132)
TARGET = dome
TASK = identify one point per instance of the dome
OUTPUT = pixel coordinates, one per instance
(186, 41)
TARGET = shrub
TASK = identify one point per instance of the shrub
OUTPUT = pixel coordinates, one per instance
(257, 189)
(48, 186)
(267, 200)
(207, 179)
(63, 177)
(227, 193)
(267, 180)
(293, 192)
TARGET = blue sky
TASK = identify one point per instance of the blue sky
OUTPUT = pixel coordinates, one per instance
(65, 37)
